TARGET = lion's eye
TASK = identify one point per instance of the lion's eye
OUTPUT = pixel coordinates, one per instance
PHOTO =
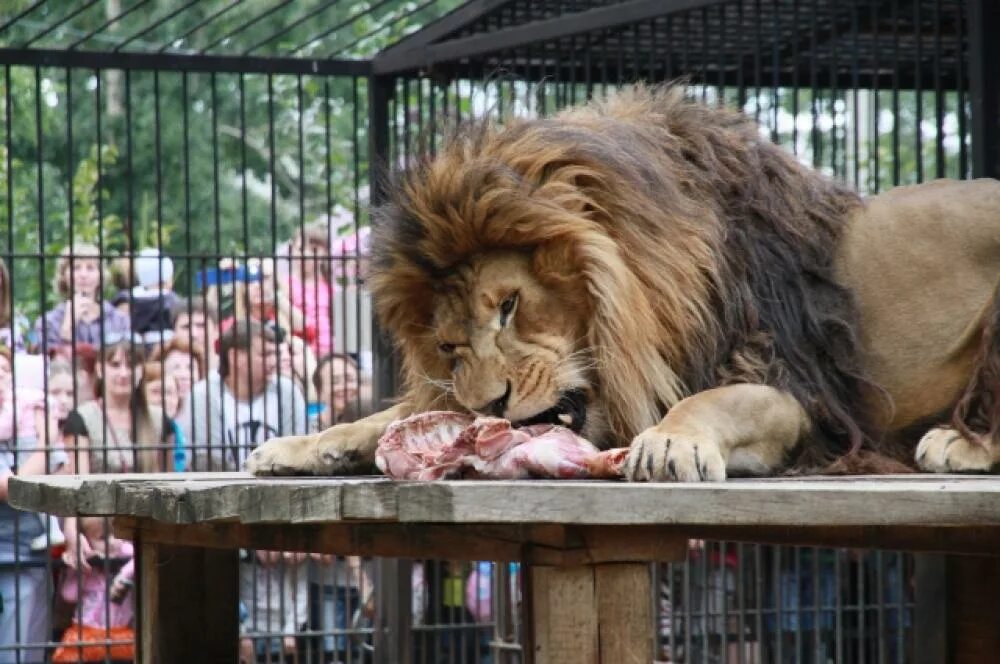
(507, 307)
(447, 349)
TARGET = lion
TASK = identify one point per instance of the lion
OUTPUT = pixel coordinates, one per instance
(653, 272)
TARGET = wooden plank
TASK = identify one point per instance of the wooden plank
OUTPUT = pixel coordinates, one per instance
(187, 604)
(564, 622)
(625, 612)
(800, 503)
(932, 501)
(542, 544)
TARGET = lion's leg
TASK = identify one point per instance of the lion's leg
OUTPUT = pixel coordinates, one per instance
(340, 450)
(746, 429)
(945, 450)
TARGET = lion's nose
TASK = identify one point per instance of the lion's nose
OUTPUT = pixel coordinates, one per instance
(496, 407)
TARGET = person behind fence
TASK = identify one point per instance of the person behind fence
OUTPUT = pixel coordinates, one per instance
(297, 361)
(198, 322)
(102, 599)
(183, 360)
(275, 594)
(24, 595)
(336, 380)
(161, 390)
(83, 315)
(14, 328)
(118, 432)
(244, 403)
(309, 284)
(151, 299)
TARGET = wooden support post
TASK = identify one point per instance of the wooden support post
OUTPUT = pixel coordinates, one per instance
(188, 599)
(591, 614)
(973, 585)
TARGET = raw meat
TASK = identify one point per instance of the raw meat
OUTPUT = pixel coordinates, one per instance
(442, 444)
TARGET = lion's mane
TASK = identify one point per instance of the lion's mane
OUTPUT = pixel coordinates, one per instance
(706, 253)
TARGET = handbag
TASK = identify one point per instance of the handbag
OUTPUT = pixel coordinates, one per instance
(84, 643)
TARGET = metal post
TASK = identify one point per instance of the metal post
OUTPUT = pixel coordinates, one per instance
(984, 86)
(393, 618)
(379, 94)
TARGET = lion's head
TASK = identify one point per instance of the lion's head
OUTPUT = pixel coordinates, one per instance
(610, 260)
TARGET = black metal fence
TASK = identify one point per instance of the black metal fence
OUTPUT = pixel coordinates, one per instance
(235, 145)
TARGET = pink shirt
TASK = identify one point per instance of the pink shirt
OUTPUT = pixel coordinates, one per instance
(90, 589)
(28, 399)
(312, 298)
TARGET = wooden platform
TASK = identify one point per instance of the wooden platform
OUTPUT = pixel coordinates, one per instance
(586, 545)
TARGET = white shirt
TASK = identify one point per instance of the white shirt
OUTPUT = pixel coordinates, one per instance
(220, 431)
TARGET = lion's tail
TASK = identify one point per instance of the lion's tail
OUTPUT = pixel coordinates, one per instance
(977, 414)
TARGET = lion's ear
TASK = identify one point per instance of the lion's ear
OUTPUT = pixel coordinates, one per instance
(556, 264)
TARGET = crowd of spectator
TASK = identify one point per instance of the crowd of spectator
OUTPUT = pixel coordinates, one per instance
(125, 375)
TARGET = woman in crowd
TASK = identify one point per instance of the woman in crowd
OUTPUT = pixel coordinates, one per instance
(119, 432)
(83, 316)
(23, 572)
(337, 382)
(161, 390)
(13, 327)
(182, 359)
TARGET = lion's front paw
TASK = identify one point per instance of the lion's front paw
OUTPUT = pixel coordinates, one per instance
(659, 455)
(944, 450)
(341, 450)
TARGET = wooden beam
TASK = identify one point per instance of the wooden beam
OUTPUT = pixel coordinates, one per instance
(539, 544)
(187, 604)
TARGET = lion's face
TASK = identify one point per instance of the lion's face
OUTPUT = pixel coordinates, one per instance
(513, 344)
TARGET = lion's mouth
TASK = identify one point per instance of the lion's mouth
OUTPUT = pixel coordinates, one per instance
(570, 411)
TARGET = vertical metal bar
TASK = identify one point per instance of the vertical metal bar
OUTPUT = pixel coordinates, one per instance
(379, 93)
(817, 137)
(741, 87)
(875, 174)
(895, 93)
(880, 604)
(838, 613)
(778, 577)
(984, 86)
(819, 597)
(704, 562)
(918, 93)
(795, 81)
(862, 606)
(758, 74)
(900, 582)
(960, 85)
(216, 218)
(688, 612)
(775, 70)
(741, 602)
(939, 155)
(855, 94)
(758, 577)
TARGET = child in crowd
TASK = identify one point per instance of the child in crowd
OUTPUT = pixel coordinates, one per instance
(309, 284)
(152, 299)
(102, 593)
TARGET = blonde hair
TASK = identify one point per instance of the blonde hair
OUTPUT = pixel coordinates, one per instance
(63, 282)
